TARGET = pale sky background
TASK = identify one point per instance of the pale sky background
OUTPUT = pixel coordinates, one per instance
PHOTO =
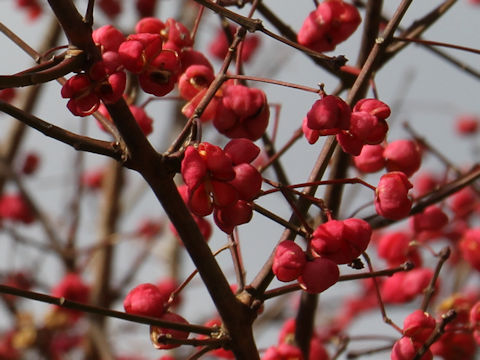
(431, 92)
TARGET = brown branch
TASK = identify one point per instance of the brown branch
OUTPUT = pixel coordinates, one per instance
(73, 61)
(439, 331)
(437, 43)
(270, 294)
(68, 304)
(371, 25)
(429, 291)
(78, 142)
(156, 171)
(419, 27)
(443, 55)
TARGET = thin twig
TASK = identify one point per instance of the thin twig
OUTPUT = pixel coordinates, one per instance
(68, 304)
(430, 290)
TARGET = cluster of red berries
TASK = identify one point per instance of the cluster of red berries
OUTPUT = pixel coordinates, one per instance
(461, 335)
(334, 242)
(417, 328)
(400, 155)
(364, 125)
(222, 181)
(332, 22)
(160, 55)
(360, 133)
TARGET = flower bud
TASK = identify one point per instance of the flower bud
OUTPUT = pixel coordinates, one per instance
(392, 200)
(318, 275)
(289, 261)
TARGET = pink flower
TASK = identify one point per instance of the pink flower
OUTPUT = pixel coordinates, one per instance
(289, 261)
(241, 151)
(331, 23)
(242, 113)
(310, 280)
(233, 215)
(350, 143)
(406, 348)
(367, 127)
(403, 287)
(455, 345)
(370, 159)
(108, 37)
(146, 299)
(156, 66)
(104, 81)
(149, 25)
(463, 202)
(341, 241)
(206, 170)
(403, 155)
(373, 107)
(329, 115)
(392, 200)
(430, 219)
(194, 79)
(204, 225)
(220, 183)
(419, 325)
(395, 248)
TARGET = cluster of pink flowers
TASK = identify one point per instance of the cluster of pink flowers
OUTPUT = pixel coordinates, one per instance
(364, 125)
(334, 242)
(104, 81)
(400, 155)
(160, 55)
(461, 335)
(417, 328)
(360, 133)
(222, 181)
(237, 111)
(332, 22)
(153, 54)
